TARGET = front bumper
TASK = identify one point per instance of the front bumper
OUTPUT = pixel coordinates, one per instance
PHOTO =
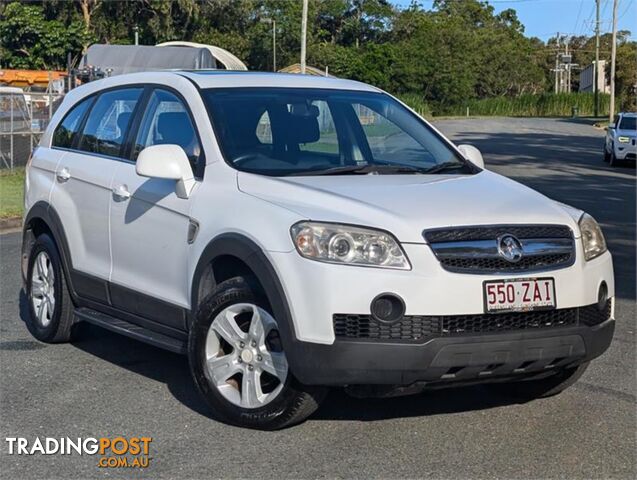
(316, 291)
(625, 151)
(450, 360)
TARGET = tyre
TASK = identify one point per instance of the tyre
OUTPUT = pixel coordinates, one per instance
(545, 387)
(613, 159)
(50, 307)
(606, 155)
(238, 363)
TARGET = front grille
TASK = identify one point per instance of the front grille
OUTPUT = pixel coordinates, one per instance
(491, 232)
(475, 249)
(505, 322)
(419, 328)
(592, 315)
(364, 326)
(539, 262)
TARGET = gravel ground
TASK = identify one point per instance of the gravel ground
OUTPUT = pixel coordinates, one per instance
(107, 385)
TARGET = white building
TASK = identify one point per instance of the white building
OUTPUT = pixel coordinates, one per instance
(586, 83)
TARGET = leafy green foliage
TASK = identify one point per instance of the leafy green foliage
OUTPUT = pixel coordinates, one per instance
(458, 53)
(29, 40)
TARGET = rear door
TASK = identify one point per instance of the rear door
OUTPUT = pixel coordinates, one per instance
(149, 223)
(82, 193)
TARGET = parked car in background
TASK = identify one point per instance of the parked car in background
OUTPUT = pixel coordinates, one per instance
(291, 232)
(620, 140)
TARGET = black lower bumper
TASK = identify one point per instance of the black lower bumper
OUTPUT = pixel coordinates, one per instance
(449, 359)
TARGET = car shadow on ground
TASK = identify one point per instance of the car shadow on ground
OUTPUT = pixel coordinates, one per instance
(172, 370)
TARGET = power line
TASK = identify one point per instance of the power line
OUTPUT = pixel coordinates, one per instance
(579, 12)
(628, 5)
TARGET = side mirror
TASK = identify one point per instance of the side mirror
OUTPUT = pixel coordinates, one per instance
(611, 126)
(472, 154)
(170, 162)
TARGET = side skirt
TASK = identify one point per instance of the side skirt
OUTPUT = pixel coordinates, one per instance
(131, 330)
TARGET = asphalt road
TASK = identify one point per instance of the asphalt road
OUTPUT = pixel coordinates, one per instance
(107, 385)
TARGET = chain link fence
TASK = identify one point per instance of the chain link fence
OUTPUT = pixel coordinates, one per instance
(23, 118)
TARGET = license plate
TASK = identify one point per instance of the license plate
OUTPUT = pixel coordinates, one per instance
(519, 295)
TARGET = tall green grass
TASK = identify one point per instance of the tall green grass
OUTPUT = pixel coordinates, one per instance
(417, 102)
(543, 105)
(529, 105)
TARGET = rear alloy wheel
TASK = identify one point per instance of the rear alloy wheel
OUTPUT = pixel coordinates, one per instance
(239, 365)
(51, 315)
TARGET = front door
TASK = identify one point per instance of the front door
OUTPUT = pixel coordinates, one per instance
(149, 223)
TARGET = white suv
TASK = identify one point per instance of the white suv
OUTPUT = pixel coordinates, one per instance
(292, 232)
(621, 135)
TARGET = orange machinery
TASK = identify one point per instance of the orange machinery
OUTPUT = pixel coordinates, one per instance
(30, 79)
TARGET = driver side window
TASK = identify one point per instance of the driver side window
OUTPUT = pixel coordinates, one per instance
(167, 121)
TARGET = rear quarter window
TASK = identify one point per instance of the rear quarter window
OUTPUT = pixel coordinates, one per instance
(67, 130)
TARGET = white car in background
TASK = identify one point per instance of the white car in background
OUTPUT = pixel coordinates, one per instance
(620, 139)
(290, 233)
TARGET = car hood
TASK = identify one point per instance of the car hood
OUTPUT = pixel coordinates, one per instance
(406, 205)
(626, 133)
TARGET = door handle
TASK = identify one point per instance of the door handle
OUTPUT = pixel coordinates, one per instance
(121, 192)
(63, 175)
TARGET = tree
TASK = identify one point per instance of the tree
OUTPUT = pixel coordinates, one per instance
(31, 41)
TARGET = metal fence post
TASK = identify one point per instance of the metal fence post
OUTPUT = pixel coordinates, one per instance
(11, 134)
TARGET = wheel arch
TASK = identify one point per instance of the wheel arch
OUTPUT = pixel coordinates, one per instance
(42, 218)
(231, 250)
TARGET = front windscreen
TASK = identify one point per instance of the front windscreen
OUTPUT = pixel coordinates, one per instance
(298, 131)
(628, 123)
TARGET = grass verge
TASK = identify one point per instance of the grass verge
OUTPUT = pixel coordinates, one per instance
(11, 192)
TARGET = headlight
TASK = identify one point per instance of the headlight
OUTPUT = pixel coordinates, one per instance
(623, 139)
(592, 237)
(333, 243)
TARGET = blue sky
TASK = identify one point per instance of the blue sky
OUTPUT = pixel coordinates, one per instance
(544, 18)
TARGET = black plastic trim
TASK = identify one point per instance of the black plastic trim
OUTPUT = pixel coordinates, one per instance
(471, 357)
(131, 330)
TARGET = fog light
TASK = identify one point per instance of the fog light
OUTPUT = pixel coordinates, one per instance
(602, 297)
(387, 307)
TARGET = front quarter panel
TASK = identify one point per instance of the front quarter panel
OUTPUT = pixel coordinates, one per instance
(220, 208)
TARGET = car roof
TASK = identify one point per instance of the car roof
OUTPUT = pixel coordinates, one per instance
(628, 114)
(237, 79)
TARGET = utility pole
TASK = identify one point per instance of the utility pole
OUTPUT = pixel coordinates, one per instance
(273, 45)
(303, 35)
(613, 53)
(557, 62)
(596, 66)
(568, 68)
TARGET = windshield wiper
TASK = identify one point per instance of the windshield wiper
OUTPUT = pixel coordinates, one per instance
(442, 167)
(362, 170)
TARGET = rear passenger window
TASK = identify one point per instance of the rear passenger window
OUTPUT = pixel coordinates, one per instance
(67, 130)
(108, 121)
(166, 121)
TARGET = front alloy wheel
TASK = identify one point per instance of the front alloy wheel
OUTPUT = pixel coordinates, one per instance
(238, 362)
(248, 367)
